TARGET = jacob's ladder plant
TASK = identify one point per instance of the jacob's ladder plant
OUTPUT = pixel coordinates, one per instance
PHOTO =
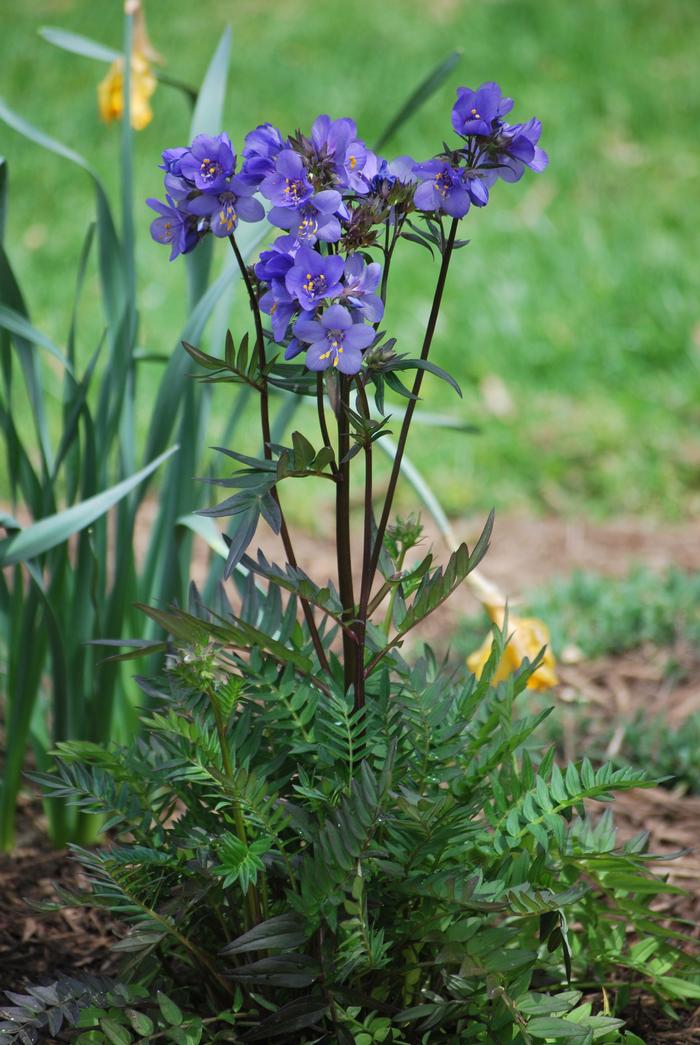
(315, 840)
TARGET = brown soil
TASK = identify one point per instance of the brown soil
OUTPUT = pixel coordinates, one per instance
(35, 944)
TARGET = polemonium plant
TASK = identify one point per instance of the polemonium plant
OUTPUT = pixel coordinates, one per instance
(317, 840)
(317, 295)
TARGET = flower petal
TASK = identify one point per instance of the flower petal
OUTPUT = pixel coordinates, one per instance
(349, 361)
(309, 330)
(327, 202)
(318, 356)
(336, 317)
(359, 336)
(249, 209)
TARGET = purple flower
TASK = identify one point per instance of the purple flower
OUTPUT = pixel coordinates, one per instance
(261, 148)
(442, 188)
(276, 261)
(360, 283)
(280, 306)
(332, 137)
(474, 112)
(336, 141)
(314, 277)
(209, 162)
(334, 340)
(172, 226)
(293, 348)
(228, 207)
(478, 189)
(357, 157)
(177, 187)
(172, 159)
(402, 169)
(314, 220)
(288, 185)
(517, 148)
(382, 176)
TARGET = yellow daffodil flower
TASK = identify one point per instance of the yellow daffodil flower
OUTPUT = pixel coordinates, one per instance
(526, 637)
(110, 92)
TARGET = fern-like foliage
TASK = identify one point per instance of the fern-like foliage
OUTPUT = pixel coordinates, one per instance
(414, 870)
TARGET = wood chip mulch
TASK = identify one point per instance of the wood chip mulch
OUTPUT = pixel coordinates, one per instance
(35, 946)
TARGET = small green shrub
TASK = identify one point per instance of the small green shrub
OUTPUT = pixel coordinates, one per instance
(408, 873)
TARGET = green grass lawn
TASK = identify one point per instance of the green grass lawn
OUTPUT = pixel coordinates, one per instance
(578, 296)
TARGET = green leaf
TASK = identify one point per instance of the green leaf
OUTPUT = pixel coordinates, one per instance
(640, 884)
(535, 1004)
(115, 1033)
(205, 528)
(189, 1034)
(209, 110)
(22, 126)
(418, 97)
(11, 295)
(141, 1023)
(18, 324)
(437, 587)
(425, 364)
(78, 44)
(560, 1030)
(47, 533)
(172, 1014)
(285, 931)
(679, 988)
(283, 970)
(294, 1016)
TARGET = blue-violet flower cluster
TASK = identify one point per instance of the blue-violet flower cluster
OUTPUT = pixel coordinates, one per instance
(334, 202)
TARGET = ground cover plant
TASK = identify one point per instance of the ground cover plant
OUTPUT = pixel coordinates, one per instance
(315, 839)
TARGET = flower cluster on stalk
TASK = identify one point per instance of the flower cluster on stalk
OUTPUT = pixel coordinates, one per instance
(334, 201)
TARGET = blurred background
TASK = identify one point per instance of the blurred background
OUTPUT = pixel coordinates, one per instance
(572, 321)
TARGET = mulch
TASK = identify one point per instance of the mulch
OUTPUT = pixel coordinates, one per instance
(35, 945)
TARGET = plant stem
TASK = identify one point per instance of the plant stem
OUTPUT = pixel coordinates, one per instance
(378, 599)
(267, 452)
(325, 435)
(342, 532)
(415, 391)
(361, 626)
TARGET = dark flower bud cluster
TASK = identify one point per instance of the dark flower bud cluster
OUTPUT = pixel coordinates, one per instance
(334, 199)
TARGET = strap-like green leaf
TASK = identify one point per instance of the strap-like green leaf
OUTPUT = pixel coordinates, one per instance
(78, 44)
(47, 533)
(209, 110)
(419, 97)
(19, 324)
